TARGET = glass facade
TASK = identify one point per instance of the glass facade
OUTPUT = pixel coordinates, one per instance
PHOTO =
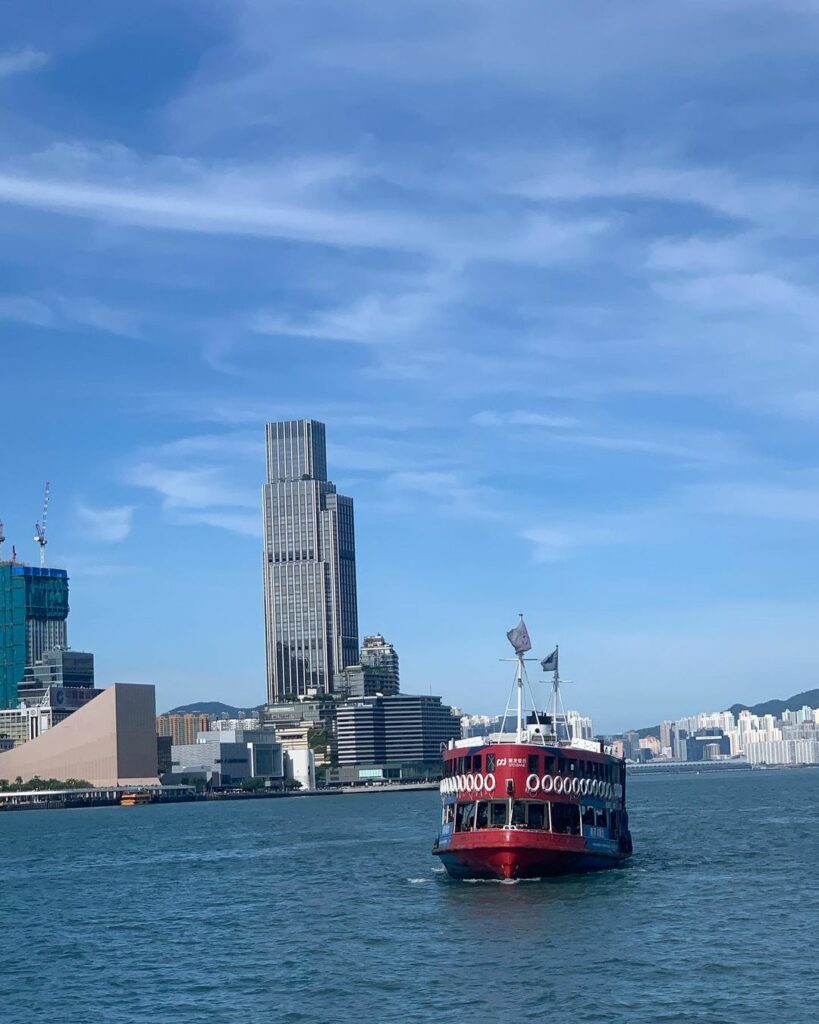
(311, 608)
(33, 613)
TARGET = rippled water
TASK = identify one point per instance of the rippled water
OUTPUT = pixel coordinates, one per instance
(332, 909)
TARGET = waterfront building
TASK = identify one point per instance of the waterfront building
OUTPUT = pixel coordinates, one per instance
(398, 737)
(33, 614)
(40, 709)
(784, 752)
(109, 741)
(228, 756)
(311, 611)
(666, 738)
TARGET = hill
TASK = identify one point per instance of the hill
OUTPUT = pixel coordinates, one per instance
(213, 707)
(767, 707)
(776, 707)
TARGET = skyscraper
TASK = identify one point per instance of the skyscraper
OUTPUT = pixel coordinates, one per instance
(311, 612)
(33, 613)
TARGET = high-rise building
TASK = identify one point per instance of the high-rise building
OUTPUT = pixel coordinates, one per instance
(33, 613)
(376, 673)
(311, 612)
(377, 653)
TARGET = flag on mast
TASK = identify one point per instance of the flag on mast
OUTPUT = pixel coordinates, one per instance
(519, 638)
(549, 664)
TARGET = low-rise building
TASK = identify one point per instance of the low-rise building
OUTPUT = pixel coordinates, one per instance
(230, 756)
(108, 741)
(398, 737)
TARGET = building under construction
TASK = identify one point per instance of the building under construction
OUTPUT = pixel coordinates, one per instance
(33, 613)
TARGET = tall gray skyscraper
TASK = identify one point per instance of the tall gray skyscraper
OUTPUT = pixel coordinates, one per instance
(310, 603)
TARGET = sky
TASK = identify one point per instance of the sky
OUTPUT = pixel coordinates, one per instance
(547, 272)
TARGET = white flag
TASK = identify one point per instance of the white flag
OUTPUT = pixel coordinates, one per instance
(519, 638)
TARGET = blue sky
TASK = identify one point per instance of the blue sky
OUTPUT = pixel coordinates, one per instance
(547, 271)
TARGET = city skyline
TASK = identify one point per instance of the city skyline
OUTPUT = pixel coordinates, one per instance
(550, 289)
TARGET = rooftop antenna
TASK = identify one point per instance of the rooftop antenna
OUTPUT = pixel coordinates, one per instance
(40, 529)
(2, 538)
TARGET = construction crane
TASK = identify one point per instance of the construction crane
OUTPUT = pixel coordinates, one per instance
(40, 529)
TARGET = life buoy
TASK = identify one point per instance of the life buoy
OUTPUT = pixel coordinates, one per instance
(459, 783)
(443, 787)
(478, 780)
(469, 783)
(608, 790)
(595, 787)
(547, 783)
(584, 786)
(533, 783)
(489, 783)
(576, 787)
(558, 784)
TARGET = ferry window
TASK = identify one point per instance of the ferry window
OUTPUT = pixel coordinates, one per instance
(449, 814)
(538, 816)
(549, 765)
(614, 824)
(498, 813)
(566, 819)
(534, 767)
(601, 821)
(476, 763)
(588, 816)
(518, 814)
(460, 766)
(482, 816)
(467, 817)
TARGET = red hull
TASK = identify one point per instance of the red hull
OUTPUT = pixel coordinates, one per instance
(508, 854)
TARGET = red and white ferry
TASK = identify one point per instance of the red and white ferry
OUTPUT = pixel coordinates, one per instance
(535, 802)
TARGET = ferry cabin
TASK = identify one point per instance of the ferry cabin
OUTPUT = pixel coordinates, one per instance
(559, 791)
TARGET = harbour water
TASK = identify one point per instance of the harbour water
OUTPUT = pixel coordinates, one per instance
(333, 909)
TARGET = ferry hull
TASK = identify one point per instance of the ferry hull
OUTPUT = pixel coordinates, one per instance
(513, 856)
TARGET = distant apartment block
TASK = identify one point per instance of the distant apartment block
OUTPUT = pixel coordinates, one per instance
(182, 726)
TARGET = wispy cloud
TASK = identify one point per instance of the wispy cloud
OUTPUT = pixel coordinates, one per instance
(107, 525)
(66, 313)
(194, 488)
(521, 418)
(19, 62)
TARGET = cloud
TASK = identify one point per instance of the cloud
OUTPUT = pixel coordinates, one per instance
(67, 313)
(194, 488)
(326, 199)
(788, 501)
(20, 62)
(491, 418)
(106, 525)
(553, 543)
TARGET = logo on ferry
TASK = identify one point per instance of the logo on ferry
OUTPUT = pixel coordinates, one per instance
(490, 762)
